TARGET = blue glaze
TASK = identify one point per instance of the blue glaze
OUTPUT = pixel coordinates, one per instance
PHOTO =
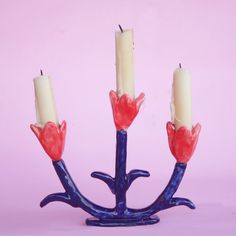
(122, 222)
(120, 215)
(73, 196)
(105, 178)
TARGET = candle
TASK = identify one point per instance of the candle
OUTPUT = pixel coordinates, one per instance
(44, 101)
(181, 104)
(124, 63)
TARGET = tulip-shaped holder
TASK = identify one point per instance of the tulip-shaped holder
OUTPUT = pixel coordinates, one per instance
(182, 143)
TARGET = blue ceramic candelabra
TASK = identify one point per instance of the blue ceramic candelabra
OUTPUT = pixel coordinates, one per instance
(182, 143)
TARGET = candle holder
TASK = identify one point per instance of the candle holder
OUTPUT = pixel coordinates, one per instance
(182, 143)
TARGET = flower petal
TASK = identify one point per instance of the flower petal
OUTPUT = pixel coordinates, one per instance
(125, 109)
(52, 138)
(35, 129)
(113, 97)
(170, 127)
(196, 130)
(182, 142)
(139, 100)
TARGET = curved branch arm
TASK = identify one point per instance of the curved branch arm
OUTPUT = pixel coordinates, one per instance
(119, 185)
(73, 196)
(166, 200)
(105, 178)
(134, 174)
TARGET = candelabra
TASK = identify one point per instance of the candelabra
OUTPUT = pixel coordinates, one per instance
(182, 143)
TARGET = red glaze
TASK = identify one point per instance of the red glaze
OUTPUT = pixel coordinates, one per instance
(125, 109)
(182, 142)
(52, 138)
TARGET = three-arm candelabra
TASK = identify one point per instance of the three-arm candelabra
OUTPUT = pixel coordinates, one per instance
(182, 143)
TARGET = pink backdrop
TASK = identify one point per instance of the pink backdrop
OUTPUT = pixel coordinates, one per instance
(73, 41)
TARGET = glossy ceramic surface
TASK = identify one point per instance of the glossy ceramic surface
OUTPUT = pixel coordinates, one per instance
(125, 109)
(52, 138)
(120, 215)
(182, 142)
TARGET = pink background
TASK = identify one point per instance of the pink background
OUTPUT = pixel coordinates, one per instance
(73, 42)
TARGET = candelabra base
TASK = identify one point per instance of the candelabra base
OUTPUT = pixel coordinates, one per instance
(122, 222)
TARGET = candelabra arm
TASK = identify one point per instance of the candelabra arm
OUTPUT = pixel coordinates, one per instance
(134, 174)
(73, 196)
(166, 200)
(105, 178)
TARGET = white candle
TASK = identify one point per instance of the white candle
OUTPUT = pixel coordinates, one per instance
(181, 102)
(124, 63)
(44, 101)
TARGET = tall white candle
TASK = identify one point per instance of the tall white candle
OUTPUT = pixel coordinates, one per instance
(44, 101)
(124, 63)
(181, 102)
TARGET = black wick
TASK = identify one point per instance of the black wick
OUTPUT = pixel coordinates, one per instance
(121, 29)
(41, 72)
(180, 66)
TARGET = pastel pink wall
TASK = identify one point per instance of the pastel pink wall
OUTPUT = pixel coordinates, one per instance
(73, 42)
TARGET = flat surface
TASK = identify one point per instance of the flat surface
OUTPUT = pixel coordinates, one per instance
(207, 219)
(215, 215)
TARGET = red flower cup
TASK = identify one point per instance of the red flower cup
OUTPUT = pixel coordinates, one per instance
(125, 109)
(182, 142)
(52, 138)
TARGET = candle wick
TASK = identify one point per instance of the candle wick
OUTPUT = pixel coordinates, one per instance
(180, 66)
(121, 29)
(41, 72)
